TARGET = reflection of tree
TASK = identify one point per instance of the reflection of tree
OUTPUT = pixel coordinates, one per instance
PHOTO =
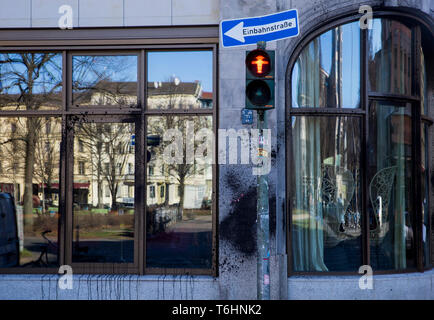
(94, 82)
(30, 81)
(117, 149)
(92, 138)
(13, 147)
(107, 144)
(45, 161)
(180, 172)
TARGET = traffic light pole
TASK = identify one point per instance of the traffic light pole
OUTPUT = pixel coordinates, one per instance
(263, 217)
(263, 212)
(260, 97)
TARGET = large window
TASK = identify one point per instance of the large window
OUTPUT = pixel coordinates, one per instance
(358, 187)
(180, 206)
(85, 179)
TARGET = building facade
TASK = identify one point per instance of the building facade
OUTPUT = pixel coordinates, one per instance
(115, 142)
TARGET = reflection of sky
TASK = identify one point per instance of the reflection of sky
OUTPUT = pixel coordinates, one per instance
(350, 63)
(188, 66)
(91, 69)
(12, 73)
(375, 37)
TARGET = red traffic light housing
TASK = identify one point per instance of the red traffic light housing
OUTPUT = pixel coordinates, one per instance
(258, 62)
(260, 79)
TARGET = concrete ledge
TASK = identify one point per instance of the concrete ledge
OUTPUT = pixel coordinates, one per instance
(406, 286)
(108, 287)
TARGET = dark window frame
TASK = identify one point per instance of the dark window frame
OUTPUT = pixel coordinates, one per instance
(415, 22)
(112, 41)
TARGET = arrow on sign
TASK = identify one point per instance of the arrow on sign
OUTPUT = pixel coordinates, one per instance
(239, 32)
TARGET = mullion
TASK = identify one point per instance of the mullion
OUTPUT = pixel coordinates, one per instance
(141, 191)
(416, 106)
(364, 100)
(215, 166)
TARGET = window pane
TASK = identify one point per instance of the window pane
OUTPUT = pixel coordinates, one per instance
(30, 173)
(327, 72)
(30, 81)
(389, 177)
(179, 201)
(426, 230)
(389, 62)
(102, 208)
(180, 80)
(326, 194)
(105, 80)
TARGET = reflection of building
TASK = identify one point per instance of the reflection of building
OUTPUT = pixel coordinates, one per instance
(13, 156)
(174, 95)
(161, 95)
(162, 188)
(393, 58)
(323, 86)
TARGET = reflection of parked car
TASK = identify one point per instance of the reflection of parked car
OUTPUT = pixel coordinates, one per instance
(9, 241)
(126, 205)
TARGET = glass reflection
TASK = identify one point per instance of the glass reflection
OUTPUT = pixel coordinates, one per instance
(327, 71)
(105, 80)
(390, 197)
(326, 195)
(423, 84)
(29, 171)
(30, 81)
(180, 80)
(103, 193)
(179, 195)
(426, 230)
(389, 64)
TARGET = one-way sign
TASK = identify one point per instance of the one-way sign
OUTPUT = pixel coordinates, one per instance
(241, 32)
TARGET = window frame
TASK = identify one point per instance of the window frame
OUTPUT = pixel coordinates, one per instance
(414, 22)
(113, 41)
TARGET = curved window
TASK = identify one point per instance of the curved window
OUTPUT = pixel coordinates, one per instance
(327, 72)
(359, 184)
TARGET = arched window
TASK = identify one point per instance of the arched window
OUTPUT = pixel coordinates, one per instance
(358, 184)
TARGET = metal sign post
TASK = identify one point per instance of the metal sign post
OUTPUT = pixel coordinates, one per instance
(263, 209)
(263, 217)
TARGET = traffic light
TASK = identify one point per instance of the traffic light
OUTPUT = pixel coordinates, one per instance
(260, 79)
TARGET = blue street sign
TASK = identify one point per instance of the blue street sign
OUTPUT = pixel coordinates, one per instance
(246, 116)
(241, 32)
